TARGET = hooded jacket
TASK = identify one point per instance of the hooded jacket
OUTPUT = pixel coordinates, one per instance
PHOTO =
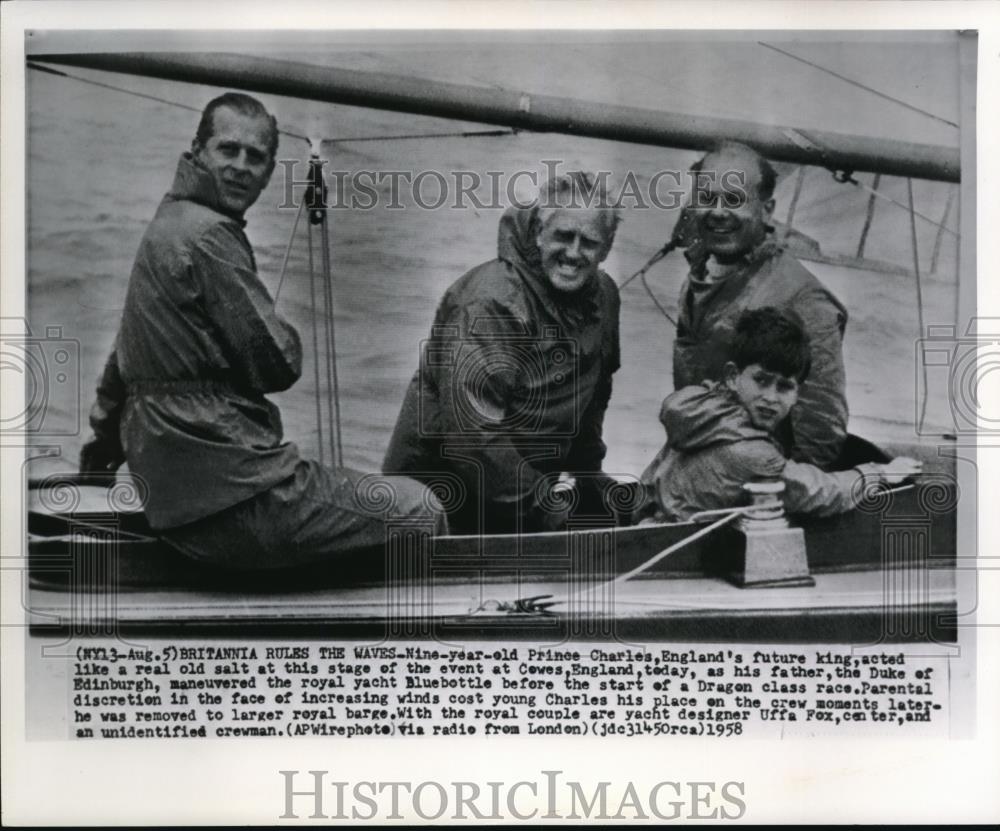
(199, 347)
(770, 276)
(513, 382)
(713, 449)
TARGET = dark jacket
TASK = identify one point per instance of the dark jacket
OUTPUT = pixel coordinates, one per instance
(771, 277)
(513, 384)
(199, 346)
(713, 449)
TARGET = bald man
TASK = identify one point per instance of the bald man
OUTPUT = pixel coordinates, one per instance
(737, 264)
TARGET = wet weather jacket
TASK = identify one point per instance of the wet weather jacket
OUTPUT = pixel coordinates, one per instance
(513, 385)
(713, 449)
(199, 347)
(770, 276)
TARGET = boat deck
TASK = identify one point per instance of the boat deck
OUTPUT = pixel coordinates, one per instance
(848, 606)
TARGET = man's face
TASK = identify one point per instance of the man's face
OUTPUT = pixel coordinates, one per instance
(238, 157)
(767, 396)
(572, 244)
(731, 217)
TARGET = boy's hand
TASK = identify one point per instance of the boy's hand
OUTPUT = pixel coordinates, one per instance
(900, 468)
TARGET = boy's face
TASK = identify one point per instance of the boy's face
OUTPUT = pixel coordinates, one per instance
(767, 396)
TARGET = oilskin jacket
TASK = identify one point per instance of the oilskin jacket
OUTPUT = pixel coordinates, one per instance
(713, 449)
(770, 276)
(512, 387)
(199, 347)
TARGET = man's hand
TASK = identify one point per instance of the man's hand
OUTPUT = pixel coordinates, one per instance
(899, 469)
(101, 456)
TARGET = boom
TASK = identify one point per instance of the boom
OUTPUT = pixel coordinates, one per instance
(542, 113)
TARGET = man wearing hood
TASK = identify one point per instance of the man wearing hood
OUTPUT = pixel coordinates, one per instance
(737, 264)
(182, 397)
(515, 378)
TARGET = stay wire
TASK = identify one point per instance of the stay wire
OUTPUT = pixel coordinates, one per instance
(920, 302)
(288, 252)
(315, 338)
(333, 383)
(858, 84)
(147, 96)
(289, 133)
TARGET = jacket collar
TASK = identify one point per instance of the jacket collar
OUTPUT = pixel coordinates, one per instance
(764, 250)
(194, 182)
(516, 245)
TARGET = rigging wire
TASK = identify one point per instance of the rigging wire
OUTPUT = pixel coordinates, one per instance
(315, 339)
(656, 302)
(137, 94)
(288, 251)
(858, 84)
(920, 302)
(333, 383)
(940, 234)
(289, 133)
(641, 274)
(878, 194)
(869, 216)
(800, 177)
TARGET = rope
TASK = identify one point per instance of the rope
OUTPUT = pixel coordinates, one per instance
(869, 216)
(289, 133)
(940, 233)
(315, 334)
(677, 546)
(659, 255)
(920, 301)
(731, 514)
(641, 274)
(288, 251)
(800, 177)
(333, 384)
(858, 84)
(148, 97)
(910, 209)
(656, 302)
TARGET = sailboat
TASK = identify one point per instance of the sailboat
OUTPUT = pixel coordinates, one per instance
(882, 572)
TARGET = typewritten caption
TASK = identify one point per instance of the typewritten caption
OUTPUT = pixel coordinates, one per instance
(219, 690)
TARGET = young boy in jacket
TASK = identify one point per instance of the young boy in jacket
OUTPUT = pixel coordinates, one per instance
(721, 435)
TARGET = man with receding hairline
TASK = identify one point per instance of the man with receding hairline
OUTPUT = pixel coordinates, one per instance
(738, 264)
(183, 395)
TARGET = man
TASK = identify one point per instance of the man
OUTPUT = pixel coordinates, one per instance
(721, 435)
(515, 379)
(737, 264)
(182, 397)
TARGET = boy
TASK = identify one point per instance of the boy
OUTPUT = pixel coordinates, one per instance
(721, 435)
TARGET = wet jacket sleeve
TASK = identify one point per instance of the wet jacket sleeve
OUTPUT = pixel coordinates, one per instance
(809, 490)
(588, 450)
(262, 349)
(106, 414)
(476, 386)
(819, 420)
